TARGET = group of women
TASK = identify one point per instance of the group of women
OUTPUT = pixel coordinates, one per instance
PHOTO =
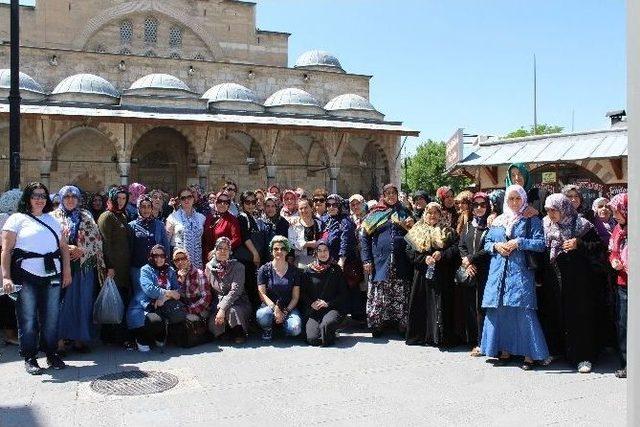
(515, 272)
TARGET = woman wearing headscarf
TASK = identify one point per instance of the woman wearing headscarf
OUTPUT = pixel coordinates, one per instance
(572, 192)
(8, 206)
(227, 278)
(145, 232)
(572, 280)
(156, 300)
(185, 227)
(195, 288)
(383, 253)
(221, 223)
(136, 190)
(114, 227)
(496, 197)
(511, 325)
(449, 212)
(324, 293)
(603, 220)
(433, 251)
(96, 205)
(274, 223)
(462, 203)
(289, 209)
(518, 173)
(357, 209)
(85, 247)
(475, 262)
(619, 260)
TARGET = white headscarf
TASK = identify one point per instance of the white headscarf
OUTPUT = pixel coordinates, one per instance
(510, 217)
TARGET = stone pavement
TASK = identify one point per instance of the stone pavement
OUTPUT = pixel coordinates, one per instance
(361, 381)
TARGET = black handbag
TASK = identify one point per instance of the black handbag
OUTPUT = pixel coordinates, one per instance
(173, 311)
(190, 333)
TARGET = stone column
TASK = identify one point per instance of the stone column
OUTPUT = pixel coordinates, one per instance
(45, 172)
(203, 176)
(271, 174)
(333, 179)
(124, 172)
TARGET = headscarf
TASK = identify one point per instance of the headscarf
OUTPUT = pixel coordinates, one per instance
(618, 243)
(276, 217)
(464, 216)
(570, 226)
(112, 202)
(150, 219)
(509, 217)
(449, 215)
(381, 213)
(317, 265)
(163, 272)
(9, 201)
(497, 200)
(619, 203)
(424, 237)
(220, 268)
(363, 209)
(603, 228)
(441, 193)
(285, 211)
(73, 217)
(525, 174)
(339, 200)
(135, 191)
(480, 222)
(571, 187)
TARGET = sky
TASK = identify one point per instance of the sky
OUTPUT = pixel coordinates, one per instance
(440, 65)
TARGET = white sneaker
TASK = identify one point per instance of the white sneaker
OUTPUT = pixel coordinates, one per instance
(584, 367)
(143, 348)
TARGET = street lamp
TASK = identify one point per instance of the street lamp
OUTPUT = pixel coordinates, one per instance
(14, 98)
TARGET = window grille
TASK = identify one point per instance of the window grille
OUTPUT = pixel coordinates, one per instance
(151, 30)
(126, 32)
(175, 37)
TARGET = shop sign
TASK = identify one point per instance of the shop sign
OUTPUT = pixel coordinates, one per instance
(549, 177)
(454, 149)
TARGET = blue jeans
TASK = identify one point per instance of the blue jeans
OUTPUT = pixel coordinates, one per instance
(37, 310)
(292, 323)
(621, 314)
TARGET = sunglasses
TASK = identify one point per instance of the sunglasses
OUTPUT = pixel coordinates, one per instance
(38, 196)
(319, 200)
(223, 202)
(278, 249)
(479, 205)
(333, 205)
(158, 256)
(190, 196)
(180, 259)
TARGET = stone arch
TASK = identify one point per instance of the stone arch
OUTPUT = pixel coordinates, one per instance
(230, 161)
(160, 7)
(318, 162)
(84, 156)
(291, 160)
(375, 171)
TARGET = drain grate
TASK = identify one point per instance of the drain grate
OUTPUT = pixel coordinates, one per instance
(134, 383)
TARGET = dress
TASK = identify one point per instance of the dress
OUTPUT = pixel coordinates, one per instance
(511, 322)
(187, 234)
(232, 297)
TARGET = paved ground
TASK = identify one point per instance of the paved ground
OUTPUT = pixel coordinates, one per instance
(359, 382)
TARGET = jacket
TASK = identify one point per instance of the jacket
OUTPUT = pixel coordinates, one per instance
(145, 294)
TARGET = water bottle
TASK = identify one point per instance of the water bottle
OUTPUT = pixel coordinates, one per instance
(13, 295)
(431, 269)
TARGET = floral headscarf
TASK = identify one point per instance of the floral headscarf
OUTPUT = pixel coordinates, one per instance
(570, 226)
(510, 217)
(441, 193)
(135, 191)
(571, 187)
(220, 268)
(72, 217)
(619, 203)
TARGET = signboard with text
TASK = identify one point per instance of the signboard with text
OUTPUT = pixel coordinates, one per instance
(454, 148)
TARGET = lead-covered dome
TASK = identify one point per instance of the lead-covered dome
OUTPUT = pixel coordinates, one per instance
(351, 105)
(319, 60)
(29, 88)
(164, 91)
(85, 88)
(293, 101)
(232, 97)
(159, 81)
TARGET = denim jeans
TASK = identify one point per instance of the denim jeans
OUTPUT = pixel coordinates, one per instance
(621, 314)
(37, 309)
(292, 323)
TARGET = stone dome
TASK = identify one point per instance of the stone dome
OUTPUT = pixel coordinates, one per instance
(160, 81)
(351, 105)
(29, 88)
(319, 60)
(293, 101)
(85, 88)
(232, 96)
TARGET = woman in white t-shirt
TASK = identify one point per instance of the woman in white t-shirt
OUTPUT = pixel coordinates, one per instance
(37, 244)
(185, 226)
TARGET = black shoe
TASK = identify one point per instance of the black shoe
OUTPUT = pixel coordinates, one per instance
(55, 362)
(376, 333)
(32, 367)
(621, 373)
(501, 361)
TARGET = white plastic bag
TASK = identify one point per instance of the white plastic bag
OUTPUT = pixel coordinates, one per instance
(108, 308)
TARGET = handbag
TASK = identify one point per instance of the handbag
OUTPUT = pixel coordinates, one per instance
(532, 258)
(173, 311)
(190, 333)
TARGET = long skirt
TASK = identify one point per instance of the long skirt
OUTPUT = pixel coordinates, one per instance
(238, 314)
(514, 330)
(76, 310)
(430, 314)
(387, 303)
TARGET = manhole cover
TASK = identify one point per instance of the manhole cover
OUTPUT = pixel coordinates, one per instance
(134, 383)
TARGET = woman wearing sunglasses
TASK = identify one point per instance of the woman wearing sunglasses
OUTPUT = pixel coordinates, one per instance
(220, 223)
(185, 227)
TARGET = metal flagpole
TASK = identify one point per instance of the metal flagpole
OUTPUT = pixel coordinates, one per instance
(14, 98)
(535, 97)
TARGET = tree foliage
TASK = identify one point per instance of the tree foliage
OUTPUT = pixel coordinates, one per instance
(542, 129)
(425, 169)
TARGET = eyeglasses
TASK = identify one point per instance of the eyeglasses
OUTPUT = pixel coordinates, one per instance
(223, 202)
(180, 259)
(333, 205)
(38, 196)
(190, 196)
(319, 200)
(249, 202)
(279, 249)
(479, 205)
(158, 256)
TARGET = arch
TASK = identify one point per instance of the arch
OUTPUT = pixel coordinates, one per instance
(84, 156)
(160, 7)
(317, 166)
(229, 161)
(591, 184)
(374, 170)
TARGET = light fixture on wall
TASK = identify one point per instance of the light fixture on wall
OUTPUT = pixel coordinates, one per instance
(251, 75)
(191, 70)
(53, 61)
(122, 66)
(251, 160)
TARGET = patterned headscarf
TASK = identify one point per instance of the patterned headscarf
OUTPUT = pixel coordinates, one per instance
(571, 224)
(424, 237)
(599, 203)
(135, 191)
(317, 265)
(112, 202)
(337, 199)
(441, 193)
(523, 171)
(571, 187)
(510, 217)
(381, 213)
(220, 268)
(9, 201)
(73, 217)
(481, 221)
(145, 198)
(619, 203)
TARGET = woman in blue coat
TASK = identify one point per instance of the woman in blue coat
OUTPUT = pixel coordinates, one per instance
(511, 324)
(146, 231)
(156, 298)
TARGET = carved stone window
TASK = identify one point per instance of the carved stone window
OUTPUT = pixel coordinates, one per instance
(126, 32)
(175, 37)
(150, 54)
(151, 30)
(125, 51)
(100, 48)
(174, 55)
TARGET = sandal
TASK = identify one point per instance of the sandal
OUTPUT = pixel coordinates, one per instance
(527, 366)
(502, 361)
(476, 352)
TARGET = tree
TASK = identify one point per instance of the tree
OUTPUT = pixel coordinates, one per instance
(542, 129)
(425, 169)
